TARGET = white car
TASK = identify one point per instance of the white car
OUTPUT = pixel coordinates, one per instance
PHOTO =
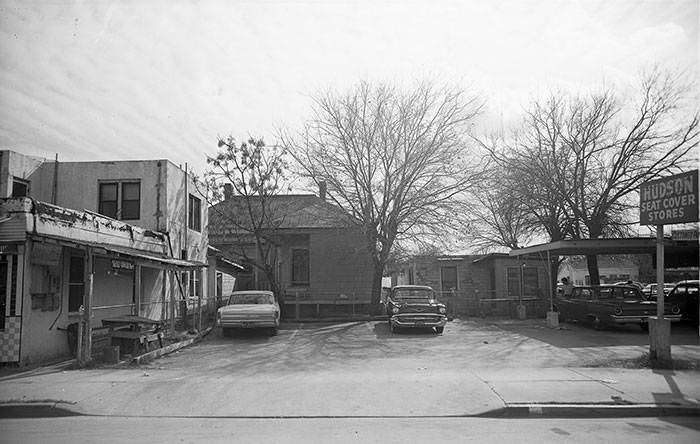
(249, 309)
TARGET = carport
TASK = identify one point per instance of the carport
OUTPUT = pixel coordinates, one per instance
(677, 253)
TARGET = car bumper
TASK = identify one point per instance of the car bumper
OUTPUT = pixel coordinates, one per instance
(640, 319)
(418, 321)
(248, 324)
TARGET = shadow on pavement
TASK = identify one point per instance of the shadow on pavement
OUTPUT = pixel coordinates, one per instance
(675, 394)
(574, 335)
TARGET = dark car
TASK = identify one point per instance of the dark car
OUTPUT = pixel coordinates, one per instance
(685, 295)
(611, 304)
(415, 306)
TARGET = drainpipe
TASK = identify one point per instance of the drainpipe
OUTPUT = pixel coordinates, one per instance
(54, 191)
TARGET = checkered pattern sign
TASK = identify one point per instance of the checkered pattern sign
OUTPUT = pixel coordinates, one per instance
(9, 340)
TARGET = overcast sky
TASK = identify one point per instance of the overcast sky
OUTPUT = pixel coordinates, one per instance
(94, 80)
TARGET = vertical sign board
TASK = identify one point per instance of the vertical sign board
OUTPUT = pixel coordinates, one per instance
(671, 200)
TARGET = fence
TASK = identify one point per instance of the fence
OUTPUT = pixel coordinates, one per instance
(484, 304)
(298, 305)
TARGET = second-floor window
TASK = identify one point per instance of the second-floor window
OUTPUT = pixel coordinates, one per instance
(20, 188)
(120, 200)
(194, 221)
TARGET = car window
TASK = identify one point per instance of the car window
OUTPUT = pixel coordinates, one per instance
(412, 294)
(250, 299)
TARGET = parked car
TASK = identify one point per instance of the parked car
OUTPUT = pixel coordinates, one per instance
(415, 306)
(685, 295)
(611, 304)
(649, 291)
(636, 284)
(249, 309)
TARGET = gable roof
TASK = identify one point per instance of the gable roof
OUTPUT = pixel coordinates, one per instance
(293, 211)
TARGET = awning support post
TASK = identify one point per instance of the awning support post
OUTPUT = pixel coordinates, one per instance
(660, 328)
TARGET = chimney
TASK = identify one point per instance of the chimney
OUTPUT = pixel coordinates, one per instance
(322, 189)
(228, 191)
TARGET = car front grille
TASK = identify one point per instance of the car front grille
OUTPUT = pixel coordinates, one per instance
(414, 318)
(417, 309)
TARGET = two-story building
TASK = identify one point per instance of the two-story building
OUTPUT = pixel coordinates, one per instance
(153, 203)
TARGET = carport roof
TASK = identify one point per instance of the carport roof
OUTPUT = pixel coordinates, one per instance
(633, 245)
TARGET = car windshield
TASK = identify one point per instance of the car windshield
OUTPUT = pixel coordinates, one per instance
(253, 299)
(413, 294)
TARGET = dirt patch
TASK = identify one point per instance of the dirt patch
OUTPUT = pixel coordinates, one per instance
(643, 361)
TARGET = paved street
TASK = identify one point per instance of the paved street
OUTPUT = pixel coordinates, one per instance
(355, 376)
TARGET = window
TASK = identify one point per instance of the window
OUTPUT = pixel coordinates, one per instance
(448, 278)
(300, 266)
(194, 217)
(120, 200)
(76, 283)
(20, 188)
(195, 285)
(530, 281)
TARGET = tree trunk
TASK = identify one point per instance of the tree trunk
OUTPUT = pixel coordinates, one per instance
(592, 262)
(375, 300)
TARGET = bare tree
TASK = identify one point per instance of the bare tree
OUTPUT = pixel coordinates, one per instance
(394, 160)
(588, 155)
(243, 181)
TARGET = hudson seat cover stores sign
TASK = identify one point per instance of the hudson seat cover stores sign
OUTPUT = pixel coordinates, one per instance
(671, 200)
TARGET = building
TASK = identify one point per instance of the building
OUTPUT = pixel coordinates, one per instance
(480, 285)
(152, 197)
(323, 266)
(60, 267)
(612, 269)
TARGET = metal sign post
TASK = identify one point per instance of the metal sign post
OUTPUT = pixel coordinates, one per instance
(670, 200)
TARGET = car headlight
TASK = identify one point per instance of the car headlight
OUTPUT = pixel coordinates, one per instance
(395, 310)
(443, 310)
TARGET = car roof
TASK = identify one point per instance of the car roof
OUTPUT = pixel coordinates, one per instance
(411, 287)
(252, 292)
(689, 282)
(608, 286)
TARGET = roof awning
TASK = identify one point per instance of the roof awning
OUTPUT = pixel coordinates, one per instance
(151, 258)
(637, 245)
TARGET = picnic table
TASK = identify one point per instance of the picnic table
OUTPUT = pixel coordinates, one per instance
(134, 333)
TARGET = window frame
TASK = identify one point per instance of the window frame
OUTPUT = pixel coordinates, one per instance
(194, 218)
(22, 182)
(442, 278)
(119, 201)
(294, 277)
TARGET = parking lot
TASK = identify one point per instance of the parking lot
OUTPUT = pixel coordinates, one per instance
(466, 343)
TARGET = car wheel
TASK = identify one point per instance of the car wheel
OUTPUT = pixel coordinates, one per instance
(597, 324)
(273, 331)
(439, 330)
(392, 328)
(644, 326)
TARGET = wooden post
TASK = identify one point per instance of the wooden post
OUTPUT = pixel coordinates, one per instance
(79, 346)
(88, 309)
(296, 304)
(163, 305)
(172, 301)
(137, 290)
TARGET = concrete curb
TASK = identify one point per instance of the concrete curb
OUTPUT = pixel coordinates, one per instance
(591, 411)
(147, 357)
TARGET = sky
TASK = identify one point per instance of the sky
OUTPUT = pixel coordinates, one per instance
(111, 80)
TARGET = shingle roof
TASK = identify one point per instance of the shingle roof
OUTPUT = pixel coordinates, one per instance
(293, 211)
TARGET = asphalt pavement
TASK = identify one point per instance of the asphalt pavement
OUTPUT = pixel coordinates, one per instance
(476, 368)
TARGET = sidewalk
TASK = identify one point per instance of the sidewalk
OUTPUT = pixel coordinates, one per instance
(488, 392)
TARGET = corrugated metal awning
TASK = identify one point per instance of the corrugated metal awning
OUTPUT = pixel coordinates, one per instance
(148, 257)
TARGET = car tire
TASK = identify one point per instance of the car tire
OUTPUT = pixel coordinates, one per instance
(439, 330)
(273, 331)
(644, 326)
(392, 328)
